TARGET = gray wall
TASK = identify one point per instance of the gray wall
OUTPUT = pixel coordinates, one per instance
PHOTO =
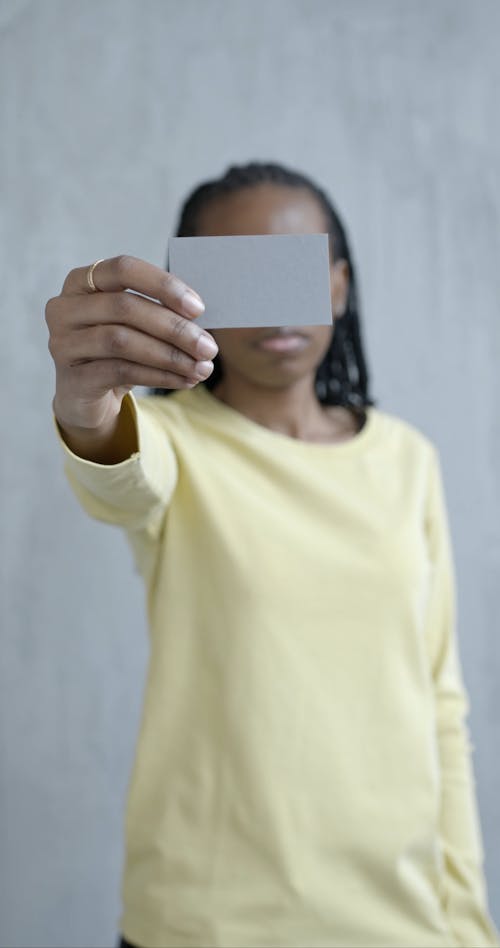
(110, 111)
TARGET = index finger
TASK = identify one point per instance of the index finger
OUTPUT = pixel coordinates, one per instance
(132, 273)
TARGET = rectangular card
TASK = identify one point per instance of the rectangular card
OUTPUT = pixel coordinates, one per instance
(256, 280)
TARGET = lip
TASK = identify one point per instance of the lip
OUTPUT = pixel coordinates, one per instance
(288, 340)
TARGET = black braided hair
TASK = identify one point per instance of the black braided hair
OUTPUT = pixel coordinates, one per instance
(342, 377)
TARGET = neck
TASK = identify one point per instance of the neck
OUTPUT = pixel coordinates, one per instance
(293, 410)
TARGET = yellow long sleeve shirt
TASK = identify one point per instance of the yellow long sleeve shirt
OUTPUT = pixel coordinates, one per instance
(302, 775)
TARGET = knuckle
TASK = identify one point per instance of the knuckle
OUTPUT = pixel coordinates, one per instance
(117, 339)
(70, 279)
(50, 311)
(175, 357)
(181, 330)
(123, 265)
(58, 350)
(52, 347)
(53, 341)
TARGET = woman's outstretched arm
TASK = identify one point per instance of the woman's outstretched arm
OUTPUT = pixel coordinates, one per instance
(119, 323)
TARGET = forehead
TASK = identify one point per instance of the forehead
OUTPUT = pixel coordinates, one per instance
(262, 209)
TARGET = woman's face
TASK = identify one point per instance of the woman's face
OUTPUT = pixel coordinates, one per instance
(273, 209)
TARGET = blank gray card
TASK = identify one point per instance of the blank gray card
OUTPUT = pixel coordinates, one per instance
(278, 280)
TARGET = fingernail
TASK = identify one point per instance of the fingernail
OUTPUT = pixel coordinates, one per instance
(194, 305)
(204, 369)
(207, 347)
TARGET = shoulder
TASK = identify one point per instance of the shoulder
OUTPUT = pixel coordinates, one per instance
(402, 436)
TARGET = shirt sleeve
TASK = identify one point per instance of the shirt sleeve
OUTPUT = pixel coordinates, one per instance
(135, 493)
(464, 895)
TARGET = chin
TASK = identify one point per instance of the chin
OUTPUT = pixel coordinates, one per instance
(277, 379)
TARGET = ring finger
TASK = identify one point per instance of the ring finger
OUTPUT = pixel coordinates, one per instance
(116, 341)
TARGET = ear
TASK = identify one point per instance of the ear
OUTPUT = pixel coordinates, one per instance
(339, 283)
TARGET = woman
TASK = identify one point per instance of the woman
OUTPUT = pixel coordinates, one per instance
(302, 776)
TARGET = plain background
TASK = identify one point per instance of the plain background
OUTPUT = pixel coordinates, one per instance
(110, 112)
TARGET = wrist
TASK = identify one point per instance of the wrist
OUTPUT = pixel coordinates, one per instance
(108, 443)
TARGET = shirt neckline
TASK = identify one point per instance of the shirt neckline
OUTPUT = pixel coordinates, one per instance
(240, 424)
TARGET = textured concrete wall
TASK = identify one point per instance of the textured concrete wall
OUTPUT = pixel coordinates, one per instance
(110, 111)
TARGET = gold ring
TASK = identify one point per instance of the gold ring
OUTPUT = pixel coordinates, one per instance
(90, 277)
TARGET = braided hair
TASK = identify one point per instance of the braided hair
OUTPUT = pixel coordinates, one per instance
(342, 376)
